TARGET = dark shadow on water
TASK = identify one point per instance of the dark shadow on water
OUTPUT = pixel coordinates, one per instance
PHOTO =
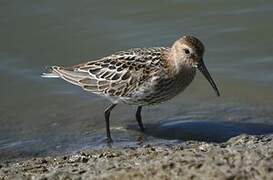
(184, 130)
(208, 131)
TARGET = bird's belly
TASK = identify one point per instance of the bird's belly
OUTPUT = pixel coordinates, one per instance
(163, 90)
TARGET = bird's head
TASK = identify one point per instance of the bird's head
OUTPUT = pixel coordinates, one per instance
(188, 51)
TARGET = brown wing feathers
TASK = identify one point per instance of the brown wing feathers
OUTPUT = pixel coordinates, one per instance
(115, 75)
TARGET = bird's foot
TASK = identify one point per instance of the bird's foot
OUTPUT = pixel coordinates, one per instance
(108, 140)
(142, 129)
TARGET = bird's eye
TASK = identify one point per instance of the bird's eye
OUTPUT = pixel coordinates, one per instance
(187, 51)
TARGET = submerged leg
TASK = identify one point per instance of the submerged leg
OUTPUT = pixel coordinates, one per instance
(107, 116)
(139, 119)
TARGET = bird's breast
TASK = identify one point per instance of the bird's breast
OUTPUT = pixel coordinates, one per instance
(171, 86)
(162, 87)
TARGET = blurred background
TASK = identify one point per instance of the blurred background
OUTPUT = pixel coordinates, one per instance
(49, 115)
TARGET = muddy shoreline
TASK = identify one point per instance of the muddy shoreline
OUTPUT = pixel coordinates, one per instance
(242, 157)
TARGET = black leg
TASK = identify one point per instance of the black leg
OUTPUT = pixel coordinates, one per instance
(139, 119)
(107, 116)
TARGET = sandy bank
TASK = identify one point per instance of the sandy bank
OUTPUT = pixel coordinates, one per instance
(242, 157)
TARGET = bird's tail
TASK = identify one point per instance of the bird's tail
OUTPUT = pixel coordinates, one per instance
(50, 72)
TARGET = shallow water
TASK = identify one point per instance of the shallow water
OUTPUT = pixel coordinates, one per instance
(41, 116)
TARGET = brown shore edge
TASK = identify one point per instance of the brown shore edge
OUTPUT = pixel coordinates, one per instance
(241, 157)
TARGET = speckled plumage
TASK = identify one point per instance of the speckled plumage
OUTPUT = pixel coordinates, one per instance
(139, 76)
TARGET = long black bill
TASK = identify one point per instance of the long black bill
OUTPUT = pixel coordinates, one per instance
(205, 72)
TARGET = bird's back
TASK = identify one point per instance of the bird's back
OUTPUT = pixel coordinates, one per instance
(119, 76)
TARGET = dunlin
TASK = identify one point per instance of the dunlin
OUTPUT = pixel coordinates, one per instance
(139, 76)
